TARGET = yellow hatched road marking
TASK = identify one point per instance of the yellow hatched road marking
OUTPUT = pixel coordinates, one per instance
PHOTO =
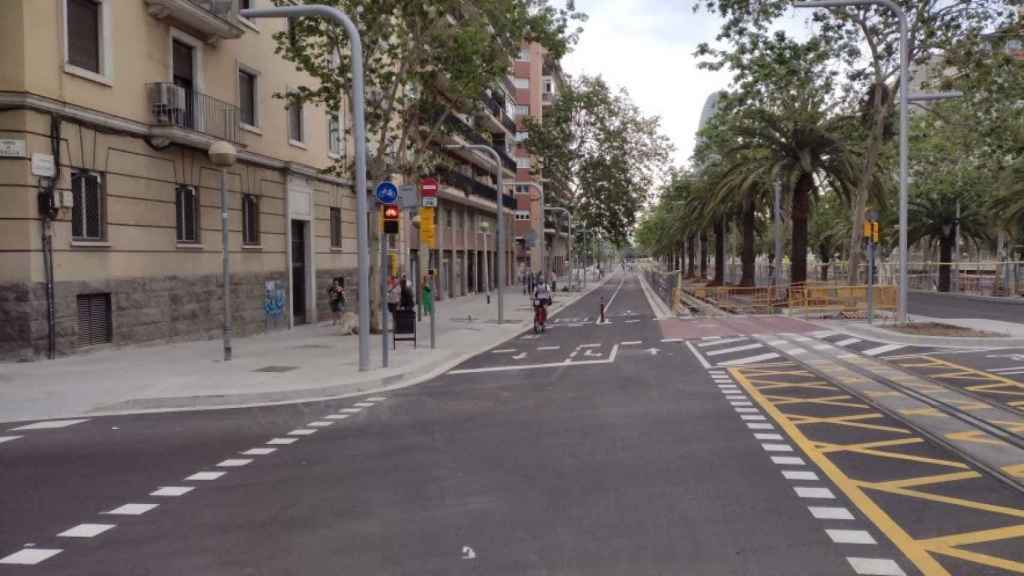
(962, 502)
(933, 479)
(979, 558)
(977, 537)
(976, 436)
(827, 448)
(853, 421)
(824, 400)
(772, 385)
(910, 548)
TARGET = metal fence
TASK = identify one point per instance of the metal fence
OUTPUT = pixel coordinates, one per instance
(173, 105)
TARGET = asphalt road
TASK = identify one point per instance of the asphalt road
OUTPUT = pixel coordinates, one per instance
(938, 305)
(589, 449)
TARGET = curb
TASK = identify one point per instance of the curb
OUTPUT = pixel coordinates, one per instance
(1016, 301)
(890, 337)
(408, 376)
(661, 310)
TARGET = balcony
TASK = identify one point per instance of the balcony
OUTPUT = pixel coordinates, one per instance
(189, 117)
(548, 97)
(211, 20)
(468, 185)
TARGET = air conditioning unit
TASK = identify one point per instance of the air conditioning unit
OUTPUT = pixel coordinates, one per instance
(168, 102)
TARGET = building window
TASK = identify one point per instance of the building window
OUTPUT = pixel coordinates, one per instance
(524, 55)
(335, 227)
(522, 189)
(523, 162)
(247, 93)
(549, 86)
(250, 219)
(87, 214)
(335, 135)
(94, 325)
(521, 83)
(244, 4)
(522, 136)
(84, 29)
(522, 110)
(448, 218)
(522, 214)
(186, 204)
(296, 133)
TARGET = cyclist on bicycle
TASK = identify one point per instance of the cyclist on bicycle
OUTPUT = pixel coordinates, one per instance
(541, 301)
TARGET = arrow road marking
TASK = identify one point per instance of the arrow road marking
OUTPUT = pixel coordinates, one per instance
(519, 356)
(468, 553)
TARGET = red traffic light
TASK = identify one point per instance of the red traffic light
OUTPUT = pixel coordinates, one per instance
(391, 212)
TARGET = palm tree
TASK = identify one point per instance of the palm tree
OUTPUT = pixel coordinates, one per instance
(742, 189)
(932, 216)
(829, 229)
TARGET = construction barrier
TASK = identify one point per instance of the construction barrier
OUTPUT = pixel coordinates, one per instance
(822, 299)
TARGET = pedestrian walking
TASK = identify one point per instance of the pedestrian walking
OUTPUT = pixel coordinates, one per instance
(336, 297)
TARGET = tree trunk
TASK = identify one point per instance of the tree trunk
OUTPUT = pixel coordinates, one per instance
(691, 257)
(801, 208)
(703, 255)
(825, 259)
(747, 256)
(719, 278)
(882, 103)
(945, 262)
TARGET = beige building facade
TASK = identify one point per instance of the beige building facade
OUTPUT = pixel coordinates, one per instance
(120, 242)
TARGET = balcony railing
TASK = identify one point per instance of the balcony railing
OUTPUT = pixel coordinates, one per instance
(213, 20)
(508, 122)
(470, 186)
(179, 107)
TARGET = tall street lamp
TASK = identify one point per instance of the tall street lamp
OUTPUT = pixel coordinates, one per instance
(540, 189)
(901, 308)
(359, 133)
(569, 215)
(499, 202)
(223, 155)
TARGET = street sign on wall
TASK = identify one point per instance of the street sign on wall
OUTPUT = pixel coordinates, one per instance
(428, 238)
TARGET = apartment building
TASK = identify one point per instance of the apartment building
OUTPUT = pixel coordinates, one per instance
(110, 227)
(538, 80)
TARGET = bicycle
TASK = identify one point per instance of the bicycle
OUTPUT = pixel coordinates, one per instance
(540, 316)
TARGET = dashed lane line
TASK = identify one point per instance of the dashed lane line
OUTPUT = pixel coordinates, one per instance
(850, 536)
(133, 509)
(86, 530)
(30, 556)
(883, 349)
(282, 441)
(848, 341)
(720, 342)
(750, 359)
(234, 462)
(259, 451)
(49, 424)
(302, 432)
(8, 438)
(172, 491)
(743, 348)
(205, 476)
(875, 567)
(830, 513)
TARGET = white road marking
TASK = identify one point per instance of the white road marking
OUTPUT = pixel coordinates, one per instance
(737, 397)
(259, 451)
(351, 410)
(794, 351)
(610, 359)
(822, 346)
(503, 351)
(363, 404)
(823, 333)
(632, 343)
(86, 530)
(131, 509)
(701, 359)
(875, 567)
(574, 353)
(172, 491)
(529, 337)
(549, 348)
(8, 438)
(763, 436)
(726, 341)
(234, 462)
(800, 338)
(320, 424)
(750, 359)
(850, 536)
(814, 492)
(670, 340)
(519, 356)
(741, 410)
(282, 441)
(468, 553)
(592, 354)
(788, 460)
(830, 513)
(883, 349)
(751, 417)
(997, 370)
(711, 338)
(206, 475)
(760, 426)
(377, 398)
(845, 356)
(588, 346)
(608, 304)
(777, 447)
(739, 403)
(799, 475)
(631, 321)
(336, 417)
(30, 556)
(1008, 373)
(50, 424)
(302, 432)
(848, 341)
(776, 342)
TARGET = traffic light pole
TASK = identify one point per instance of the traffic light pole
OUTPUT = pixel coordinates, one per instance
(383, 291)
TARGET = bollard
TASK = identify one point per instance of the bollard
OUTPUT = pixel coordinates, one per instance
(602, 310)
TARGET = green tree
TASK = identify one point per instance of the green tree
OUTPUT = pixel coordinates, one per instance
(932, 215)
(598, 154)
(829, 231)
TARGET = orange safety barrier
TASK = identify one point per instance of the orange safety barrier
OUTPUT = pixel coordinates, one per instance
(811, 299)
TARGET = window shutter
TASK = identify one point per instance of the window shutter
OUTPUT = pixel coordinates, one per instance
(83, 19)
(92, 206)
(94, 326)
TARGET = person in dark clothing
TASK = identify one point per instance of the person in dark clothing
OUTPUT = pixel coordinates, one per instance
(406, 300)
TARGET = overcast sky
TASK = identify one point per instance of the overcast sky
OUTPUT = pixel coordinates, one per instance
(647, 47)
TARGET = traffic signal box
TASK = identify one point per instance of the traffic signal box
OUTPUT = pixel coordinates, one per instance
(391, 213)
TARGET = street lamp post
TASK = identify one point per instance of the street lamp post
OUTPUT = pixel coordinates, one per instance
(540, 189)
(223, 155)
(499, 207)
(569, 243)
(901, 308)
(359, 134)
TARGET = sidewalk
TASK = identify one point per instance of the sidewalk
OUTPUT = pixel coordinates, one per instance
(306, 363)
(1012, 332)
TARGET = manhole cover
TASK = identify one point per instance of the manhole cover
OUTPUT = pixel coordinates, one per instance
(276, 369)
